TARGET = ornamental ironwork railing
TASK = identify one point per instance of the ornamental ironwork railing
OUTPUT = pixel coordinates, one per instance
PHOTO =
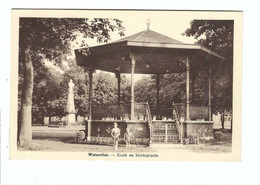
(140, 111)
(163, 113)
(111, 112)
(123, 112)
(197, 112)
(119, 112)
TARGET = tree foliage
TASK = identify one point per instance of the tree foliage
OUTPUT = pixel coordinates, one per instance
(217, 35)
(51, 91)
(172, 89)
(50, 39)
(48, 97)
(212, 34)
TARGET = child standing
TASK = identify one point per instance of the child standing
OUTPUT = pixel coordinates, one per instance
(115, 133)
(127, 138)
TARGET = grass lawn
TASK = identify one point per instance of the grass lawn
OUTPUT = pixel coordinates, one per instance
(55, 139)
(56, 145)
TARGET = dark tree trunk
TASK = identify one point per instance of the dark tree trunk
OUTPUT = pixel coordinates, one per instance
(42, 120)
(223, 120)
(49, 119)
(25, 124)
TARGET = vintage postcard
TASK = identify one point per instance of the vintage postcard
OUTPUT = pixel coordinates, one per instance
(126, 85)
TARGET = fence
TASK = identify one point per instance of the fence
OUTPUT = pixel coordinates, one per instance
(119, 112)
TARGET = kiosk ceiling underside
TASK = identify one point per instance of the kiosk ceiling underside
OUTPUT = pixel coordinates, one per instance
(116, 57)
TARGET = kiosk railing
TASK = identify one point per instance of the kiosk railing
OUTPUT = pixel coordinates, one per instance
(123, 111)
(119, 112)
(197, 112)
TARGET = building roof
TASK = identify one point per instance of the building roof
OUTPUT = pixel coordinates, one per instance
(150, 36)
(154, 54)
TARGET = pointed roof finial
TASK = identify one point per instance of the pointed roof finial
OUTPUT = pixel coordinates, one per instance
(148, 24)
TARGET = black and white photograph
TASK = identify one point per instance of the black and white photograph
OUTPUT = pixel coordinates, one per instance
(126, 85)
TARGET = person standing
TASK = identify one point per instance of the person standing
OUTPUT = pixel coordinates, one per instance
(115, 133)
(127, 138)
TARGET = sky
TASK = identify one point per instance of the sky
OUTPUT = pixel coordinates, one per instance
(170, 26)
(164, 23)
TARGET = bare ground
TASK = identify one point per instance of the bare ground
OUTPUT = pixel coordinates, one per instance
(57, 139)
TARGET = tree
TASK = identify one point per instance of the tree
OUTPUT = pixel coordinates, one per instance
(49, 39)
(172, 89)
(48, 97)
(125, 89)
(145, 90)
(217, 35)
(104, 89)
